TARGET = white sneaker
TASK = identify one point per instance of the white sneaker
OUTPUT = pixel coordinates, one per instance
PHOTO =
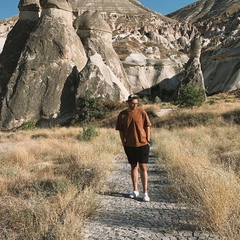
(146, 198)
(134, 194)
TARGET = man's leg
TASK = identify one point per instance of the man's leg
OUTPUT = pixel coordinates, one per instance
(144, 176)
(134, 175)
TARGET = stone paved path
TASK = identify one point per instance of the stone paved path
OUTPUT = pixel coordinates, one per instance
(160, 219)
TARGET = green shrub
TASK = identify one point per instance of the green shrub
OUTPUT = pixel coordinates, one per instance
(88, 134)
(90, 109)
(28, 126)
(190, 95)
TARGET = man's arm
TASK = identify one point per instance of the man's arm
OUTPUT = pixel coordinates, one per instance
(148, 133)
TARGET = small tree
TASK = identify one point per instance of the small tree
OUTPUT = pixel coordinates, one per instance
(190, 95)
(90, 109)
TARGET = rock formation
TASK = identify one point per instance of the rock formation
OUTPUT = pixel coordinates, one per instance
(218, 23)
(109, 7)
(134, 28)
(42, 83)
(103, 76)
(193, 71)
(15, 43)
(205, 10)
(29, 10)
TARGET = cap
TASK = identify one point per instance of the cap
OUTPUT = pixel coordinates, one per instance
(131, 97)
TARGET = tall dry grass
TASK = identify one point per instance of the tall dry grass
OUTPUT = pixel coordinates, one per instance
(200, 149)
(201, 175)
(49, 180)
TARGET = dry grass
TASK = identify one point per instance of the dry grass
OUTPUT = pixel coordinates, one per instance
(48, 182)
(49, 179)
(203, 166)
(215, 112)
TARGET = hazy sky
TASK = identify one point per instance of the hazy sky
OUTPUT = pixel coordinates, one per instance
(9, 8)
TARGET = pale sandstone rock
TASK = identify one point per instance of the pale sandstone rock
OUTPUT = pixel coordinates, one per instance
(98, 80)
(2, 42)
(96, 36)
(143, 73)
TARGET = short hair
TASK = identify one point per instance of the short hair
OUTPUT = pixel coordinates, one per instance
(131, 97)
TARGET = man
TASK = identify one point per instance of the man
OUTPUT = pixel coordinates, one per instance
(133, 125)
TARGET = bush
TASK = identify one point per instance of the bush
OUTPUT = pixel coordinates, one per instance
(28, 126)
(190, 95)
(91, 109)
(88, 134)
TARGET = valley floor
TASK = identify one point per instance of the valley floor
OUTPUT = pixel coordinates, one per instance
(120, 217)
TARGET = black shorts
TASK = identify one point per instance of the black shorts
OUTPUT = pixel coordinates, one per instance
(137, 154)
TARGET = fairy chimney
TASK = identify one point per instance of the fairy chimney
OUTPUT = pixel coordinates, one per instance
(104, 74)
(29, 10)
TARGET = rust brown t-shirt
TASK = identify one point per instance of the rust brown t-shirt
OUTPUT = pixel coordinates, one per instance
(133, 125)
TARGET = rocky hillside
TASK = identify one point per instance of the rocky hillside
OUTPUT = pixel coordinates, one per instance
(57, 52)
(109, 7)
(205, 10)
(218, 23)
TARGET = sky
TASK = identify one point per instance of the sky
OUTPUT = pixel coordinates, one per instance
(8, 8)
